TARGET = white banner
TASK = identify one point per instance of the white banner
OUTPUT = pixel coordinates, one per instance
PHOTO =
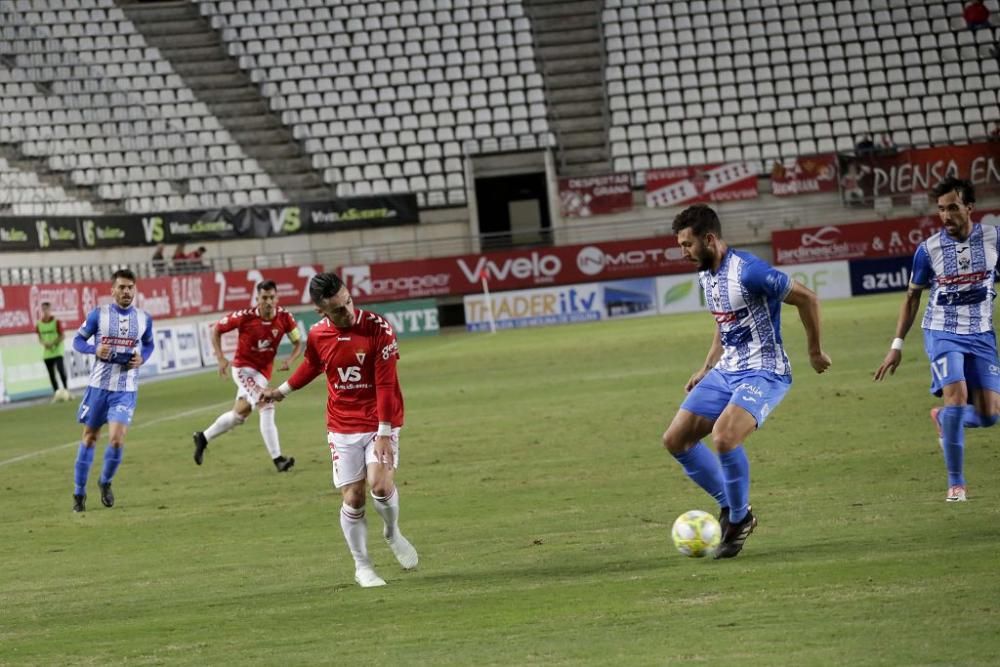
(535, 307)
(830, 280)
(679, 293)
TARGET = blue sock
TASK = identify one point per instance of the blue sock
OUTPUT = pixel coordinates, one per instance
(84, 459)
(736, 472)
(702, 466)
(972, 419)
(953, 437)
(112, 459)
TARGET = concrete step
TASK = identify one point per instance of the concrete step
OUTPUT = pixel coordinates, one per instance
(577, 155)
(586, 139)
(597, 168)
(197, 56)
(576, 94)
(590, 122)
(160, 11)
(546, 24)
(544, 8)
(561, 62)
(213, 82)
(589, 37)
(574, 79)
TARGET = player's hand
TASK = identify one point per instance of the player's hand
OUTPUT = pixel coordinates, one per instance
(820, 361)
(285, 365)
(223, 366)
(271, 394)
(889, 365)
(383, 450)
(103, 351)
(135, 361)
(695, 379)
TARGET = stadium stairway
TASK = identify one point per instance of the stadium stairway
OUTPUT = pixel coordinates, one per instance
(197, 54)
(568, 49)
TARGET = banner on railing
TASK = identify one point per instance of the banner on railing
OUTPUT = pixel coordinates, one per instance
(709, 183)
(900, 174)
(879, 238)
(515, 269)
(595, 195)
(74, 232)
(177, 296)
(804, 175)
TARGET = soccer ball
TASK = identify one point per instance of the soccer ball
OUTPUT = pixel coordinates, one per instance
(63, 395)
(696, 533)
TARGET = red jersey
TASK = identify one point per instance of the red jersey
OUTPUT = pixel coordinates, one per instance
(259, 339)
(360, 366)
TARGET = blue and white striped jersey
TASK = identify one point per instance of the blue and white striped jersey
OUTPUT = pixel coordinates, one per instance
(127, 331)
(960, 276)
(745, 298)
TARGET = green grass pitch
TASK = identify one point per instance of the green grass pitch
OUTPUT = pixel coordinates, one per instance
(534, 485)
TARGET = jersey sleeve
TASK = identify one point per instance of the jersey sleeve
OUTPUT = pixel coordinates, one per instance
(762, 278)
(85, 333)
(147, 340)
(386, 380)
(922, 269)
(310, 367)
(231, 321)
(291, 327)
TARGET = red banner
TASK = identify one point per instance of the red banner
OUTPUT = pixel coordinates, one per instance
(804, 175)
(177, 296)
(595, 195)
(519, 269)
(919, 170)
(881, 238)
(709, 183)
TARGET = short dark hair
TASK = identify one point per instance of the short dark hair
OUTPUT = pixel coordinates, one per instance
(964, 188)
(324, 286)
(46, 304)
(127, 274)
(267, 285)
(701, 218)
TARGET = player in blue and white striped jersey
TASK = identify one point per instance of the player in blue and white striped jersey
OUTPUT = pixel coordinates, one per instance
(747, 372)
(959, 266)
(123, 337)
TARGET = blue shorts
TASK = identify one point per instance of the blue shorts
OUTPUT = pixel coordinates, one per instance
(971, 358)
(100, 406)
(758, 392)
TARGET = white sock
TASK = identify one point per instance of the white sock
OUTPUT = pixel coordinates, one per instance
(355, 527)
(388, 509)
(227, 421)
(270, 431)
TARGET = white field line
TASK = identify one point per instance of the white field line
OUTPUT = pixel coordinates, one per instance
(158, 420)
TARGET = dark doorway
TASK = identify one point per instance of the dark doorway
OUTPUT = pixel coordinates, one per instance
(513, 210)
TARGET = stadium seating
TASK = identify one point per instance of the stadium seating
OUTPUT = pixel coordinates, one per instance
(388, 96)
(708, 81)
(23, 193)
(80, 89)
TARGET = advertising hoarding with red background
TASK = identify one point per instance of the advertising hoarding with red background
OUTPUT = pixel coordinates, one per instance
(595, 195)
(882, 238)
(166, 297)
(919, 170)
(709, 183)
(804, 175)
(516, 269)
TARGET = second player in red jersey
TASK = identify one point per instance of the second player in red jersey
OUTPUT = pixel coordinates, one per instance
(357, 351)
(260, 332)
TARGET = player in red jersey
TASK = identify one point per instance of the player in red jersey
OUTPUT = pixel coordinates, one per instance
(358, 352)
(261, 329)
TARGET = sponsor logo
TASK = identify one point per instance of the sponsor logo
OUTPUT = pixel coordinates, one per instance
(275, 332)
(360, 356)
(349, 374)
(591, 260)
(263, 345)
(885, 280)
(359, 281)
(825, 236)
(542, 268)
(390, 349)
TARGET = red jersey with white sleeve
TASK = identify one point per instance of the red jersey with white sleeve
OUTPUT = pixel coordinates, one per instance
(360, 366)
(258, 338)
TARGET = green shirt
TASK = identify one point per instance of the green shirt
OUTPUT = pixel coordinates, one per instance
(51, 332)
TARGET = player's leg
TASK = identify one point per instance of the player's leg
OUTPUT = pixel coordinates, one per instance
(948, 378)
(225, 422)
(754, 396)
(385, 497)
(347, 452)
(91, 414)
(982, 379)
(121, 407)
(269, 431)
(683, 438)
(61, 367)
(50, 366)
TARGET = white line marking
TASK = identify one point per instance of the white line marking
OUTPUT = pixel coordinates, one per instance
(158, 420)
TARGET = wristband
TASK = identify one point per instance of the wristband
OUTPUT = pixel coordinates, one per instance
(384, 430)
(897, 344)
(285, 389)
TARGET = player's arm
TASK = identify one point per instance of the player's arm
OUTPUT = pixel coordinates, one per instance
(714, 354)
(227, 323)
(146, 346)
(81, 341)
(386, 380)
(807, 303)
(296, 338)
(307, 371)
(919, 279)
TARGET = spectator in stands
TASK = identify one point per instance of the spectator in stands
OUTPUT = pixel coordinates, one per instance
(976, 15)
(195, 262)
(180, 259)
(995, 132)
(850, 184)
(887, 146)
(865, 145)
(159, 261)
